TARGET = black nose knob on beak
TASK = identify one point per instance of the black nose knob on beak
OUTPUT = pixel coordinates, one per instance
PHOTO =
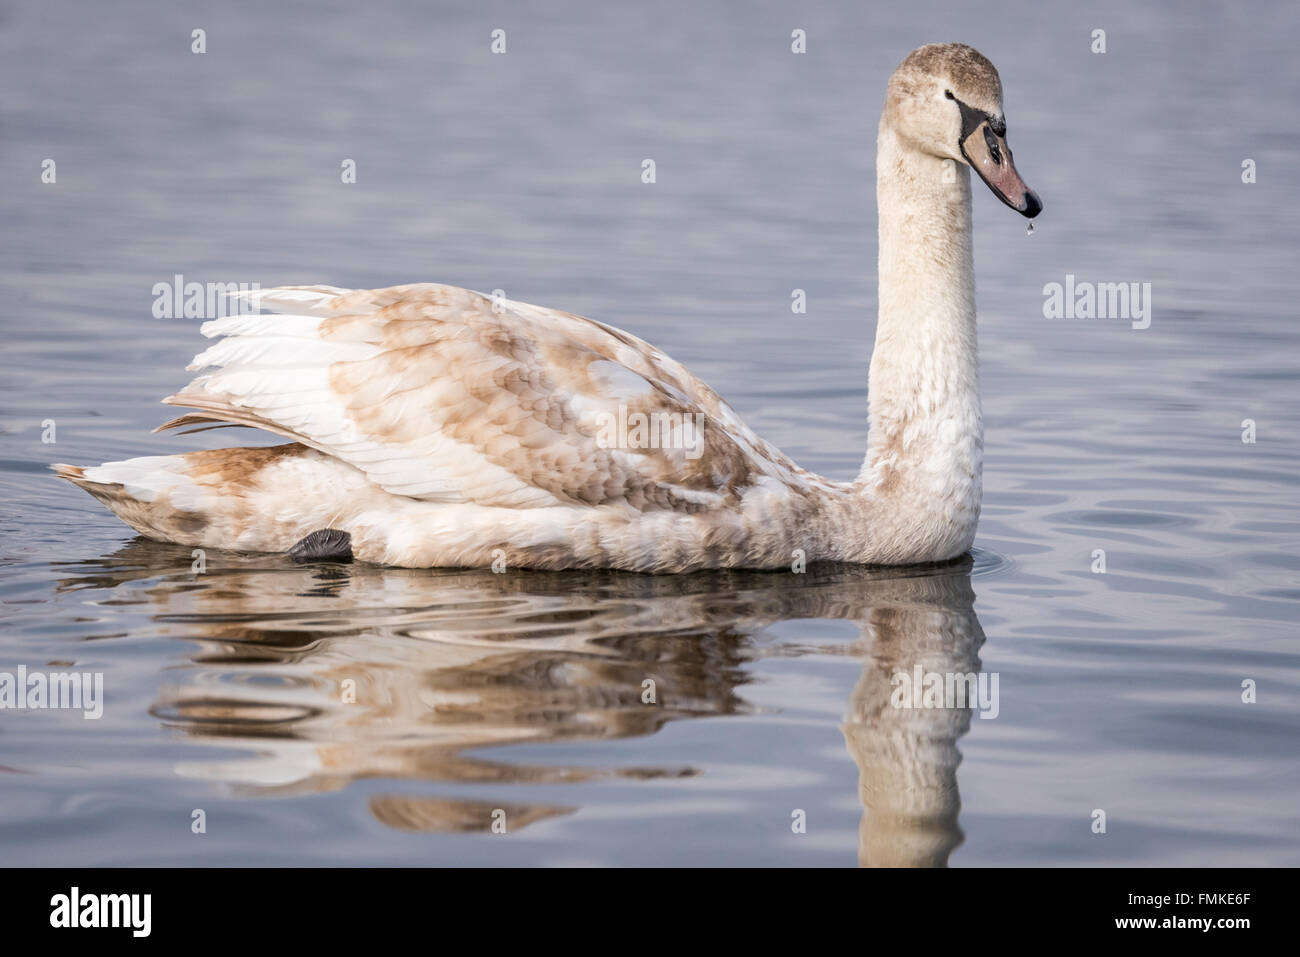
(1031, 206)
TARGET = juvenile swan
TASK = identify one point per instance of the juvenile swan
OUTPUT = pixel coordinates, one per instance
(435, 426)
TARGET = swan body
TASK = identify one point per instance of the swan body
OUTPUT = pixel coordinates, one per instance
(435, 426)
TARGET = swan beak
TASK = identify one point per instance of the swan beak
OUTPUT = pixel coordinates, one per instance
(988, 153)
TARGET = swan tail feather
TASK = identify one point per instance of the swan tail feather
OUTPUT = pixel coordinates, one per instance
(218, 498)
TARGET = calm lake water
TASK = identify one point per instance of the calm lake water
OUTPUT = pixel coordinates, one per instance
(478, 694)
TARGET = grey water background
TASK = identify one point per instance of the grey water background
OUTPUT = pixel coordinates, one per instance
(1119, 691)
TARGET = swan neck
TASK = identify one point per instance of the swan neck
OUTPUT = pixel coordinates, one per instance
(925, 439)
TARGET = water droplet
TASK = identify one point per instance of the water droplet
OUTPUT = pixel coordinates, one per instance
(1030, 230)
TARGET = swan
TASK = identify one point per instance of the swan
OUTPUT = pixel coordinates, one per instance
(435, 426)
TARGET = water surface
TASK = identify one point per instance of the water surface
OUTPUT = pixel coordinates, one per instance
(479, 696)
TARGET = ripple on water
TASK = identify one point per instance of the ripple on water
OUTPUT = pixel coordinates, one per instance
(1113, 518)
(986, 563)
(229, 712)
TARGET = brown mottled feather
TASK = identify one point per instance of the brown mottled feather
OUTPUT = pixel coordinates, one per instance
(510, 386)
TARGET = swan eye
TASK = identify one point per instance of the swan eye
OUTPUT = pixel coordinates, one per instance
(948, 94)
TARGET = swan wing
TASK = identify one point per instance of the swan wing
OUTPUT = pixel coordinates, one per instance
(445, 394)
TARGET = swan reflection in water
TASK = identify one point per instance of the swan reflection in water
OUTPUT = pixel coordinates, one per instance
(328, 674)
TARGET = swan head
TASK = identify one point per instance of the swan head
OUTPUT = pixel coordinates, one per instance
(945, 99)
